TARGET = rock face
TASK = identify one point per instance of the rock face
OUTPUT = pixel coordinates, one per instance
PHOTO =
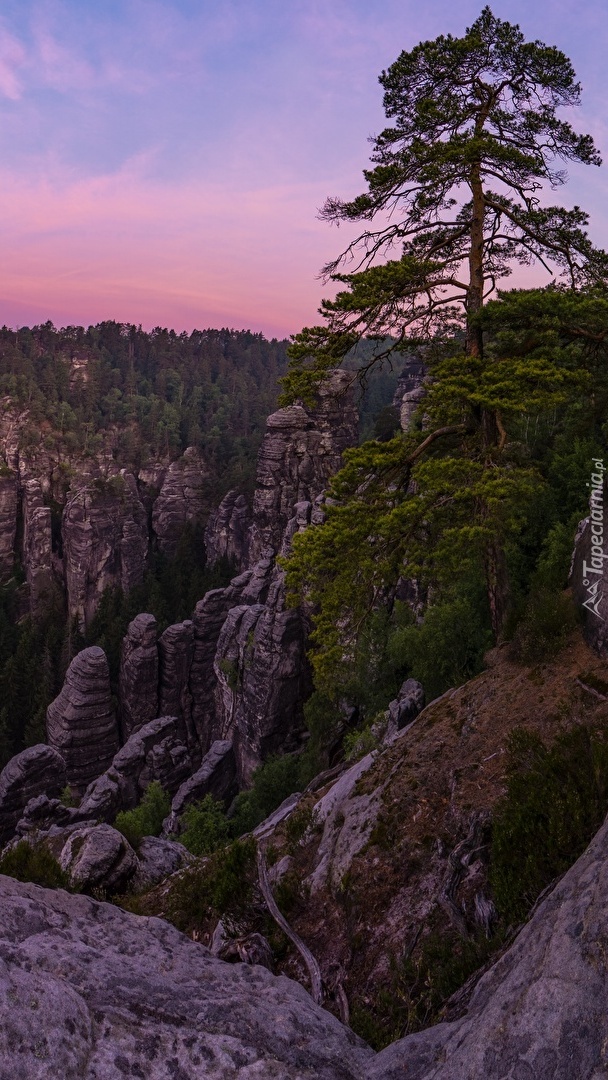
(406, 706)
(37, 543)
(39, 770)
(89, 991)
(181, 500)
(216, 776)
(156, 859)
(138, 683)
(227, 532)
(176, 647)
(105, 542)
(539, 1011)
(81, 723)
(154, 752)
(410, 389)
(96, 856)
(8, 520)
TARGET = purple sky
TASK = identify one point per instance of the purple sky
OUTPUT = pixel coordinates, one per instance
(163, 162)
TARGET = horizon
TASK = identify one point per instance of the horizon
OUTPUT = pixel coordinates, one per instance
(164, 162)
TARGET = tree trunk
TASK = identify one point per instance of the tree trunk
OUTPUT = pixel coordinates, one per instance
(474, 302)
(497, 586)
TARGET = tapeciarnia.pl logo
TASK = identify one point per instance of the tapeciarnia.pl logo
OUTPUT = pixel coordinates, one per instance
(593, 570)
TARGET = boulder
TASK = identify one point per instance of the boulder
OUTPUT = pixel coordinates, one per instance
(98, 857)
(89, 991)
(39, 770)
(406, 706)
(80, 722)
(138, 682)
(156, 859)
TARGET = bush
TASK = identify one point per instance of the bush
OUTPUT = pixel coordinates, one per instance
(206, 827)
(27, 862)
(548, 620)
(223, 885)
(556, 800)
(147, 818)
(359, 743)
(273, 782)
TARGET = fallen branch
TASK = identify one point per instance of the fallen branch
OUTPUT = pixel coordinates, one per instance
(314, 972)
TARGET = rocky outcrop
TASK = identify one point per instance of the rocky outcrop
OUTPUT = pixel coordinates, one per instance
(301, 450)
(227, 532)
(105, 542)
(138, 682)
(90, 991)
(98, 857)
(80, 722)
(181, 500)
(37, 544)
(406, 706)
(539, 1011)
(154, 752)
(156, 859)
(176, 648)
(8, 520)
(39, 770)
(410, 389)
(216, 776)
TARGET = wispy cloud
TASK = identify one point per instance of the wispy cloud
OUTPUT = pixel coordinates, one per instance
(12, 59)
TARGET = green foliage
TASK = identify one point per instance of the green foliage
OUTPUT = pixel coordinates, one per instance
(555, 802)
(358, 743)
(147, 818)
(420, 985)
(273, 782)
(221, 885)
(33, 862)
(205, 827)
(549, 619)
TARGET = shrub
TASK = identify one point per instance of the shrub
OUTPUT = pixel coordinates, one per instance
(359, 743)
(34, 862)
(147, 818)
(272, 783)
(548, 620)
(206, 827)
(222, 885)
(555, 802)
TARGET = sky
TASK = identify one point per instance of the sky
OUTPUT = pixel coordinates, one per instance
(162, 162)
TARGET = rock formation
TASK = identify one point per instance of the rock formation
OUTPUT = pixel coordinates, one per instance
(176, 647)
(81, 723)
(227, 532)
(37, 543)
(138, 683)
(216, 776)
(39, 770)
(8, 519)
(90, 991)
(154, 752)
(97, 856)
(105, 542)
(410, 388)
(181, 500)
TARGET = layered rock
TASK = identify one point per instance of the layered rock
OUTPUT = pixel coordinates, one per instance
(80, 722)
(216, 776)
(227, 532)
(39, 770)
(138, 681)
(8, 519)
(301, 450)
(176, 647)
(154, 752)
(90, 991)
(37, 543)
(105, 542)
(410, 389)
(181, 500)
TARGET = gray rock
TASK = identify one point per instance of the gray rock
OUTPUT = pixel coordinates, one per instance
(176, 649)
(348, 820)
(227, 532)
(138, 682)
(156, 859)
(39, 770)
(410, 389)
(37, 543)
(155, 752)
(216, 776)
(406, 706)
(8, 521)
(88, 991)
(105, 542)
(98, 857)
(80, 722)
(181, 500)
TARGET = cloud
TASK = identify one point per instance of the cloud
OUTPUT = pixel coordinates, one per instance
(12, 58)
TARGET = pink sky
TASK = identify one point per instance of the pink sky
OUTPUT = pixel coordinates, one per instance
(163, 161)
